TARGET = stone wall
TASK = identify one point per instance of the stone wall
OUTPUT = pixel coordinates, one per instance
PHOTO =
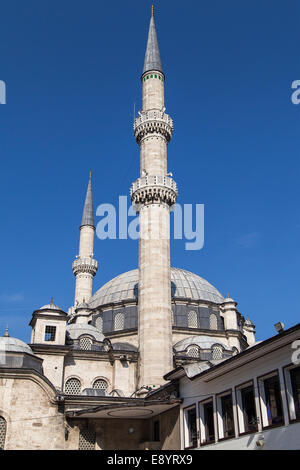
(33, 422)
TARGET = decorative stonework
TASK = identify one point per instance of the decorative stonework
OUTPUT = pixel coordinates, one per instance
(154, 121)
(154, 190)
(85, 265)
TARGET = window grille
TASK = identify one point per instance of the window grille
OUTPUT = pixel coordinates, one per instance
(213, 322)
(87, 439)
(193, 351)
(119, 321)
(192, 319)
(99, 324)
(50, 333)
(217, 352)
(100, 384)
(85, 343)
(2, 432)
(73, 387)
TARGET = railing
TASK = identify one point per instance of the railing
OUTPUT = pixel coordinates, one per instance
(85, 264)
(153, 115)
(153, 180)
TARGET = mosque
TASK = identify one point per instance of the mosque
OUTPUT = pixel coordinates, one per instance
(95, 377)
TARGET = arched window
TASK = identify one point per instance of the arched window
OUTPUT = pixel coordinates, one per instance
(99, 324)
(119, 321)
(2, 432)
(87, 439)
(192, 319)
(100, 384)
(73, 386)
(213, 322)
(217, 352)
(193, 351)
(85, 343)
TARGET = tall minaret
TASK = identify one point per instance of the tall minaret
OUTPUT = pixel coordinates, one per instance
(152, 195)
(85, 266)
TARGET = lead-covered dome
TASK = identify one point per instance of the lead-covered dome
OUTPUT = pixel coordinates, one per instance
(9, 344)
(184, 285)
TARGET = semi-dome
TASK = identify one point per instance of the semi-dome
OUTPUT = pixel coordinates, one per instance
(75, 330)
(184, 285)
(203, 341)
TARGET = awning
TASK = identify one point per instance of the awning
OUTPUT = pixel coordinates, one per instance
(144, 410)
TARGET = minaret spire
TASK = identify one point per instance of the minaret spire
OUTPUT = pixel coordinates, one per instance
(152, 56)
(88, 212)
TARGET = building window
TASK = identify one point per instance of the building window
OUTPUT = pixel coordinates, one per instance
(246, 409)
(119, 321)
(85, 343)
(190, 427)
(292, 379)
(213, 322)
(271, 403)
(2, 432)
(99, 324)
(207, 427)
(87, 439)
(193, 351)
(156, 431)
(217, 353)
(100, 384)
(192, 319)
(50, 332)
(72, 387)
(225, 416)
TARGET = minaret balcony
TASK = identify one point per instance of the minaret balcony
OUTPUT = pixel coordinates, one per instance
(85, 265)
(152, 189)
(154, 121)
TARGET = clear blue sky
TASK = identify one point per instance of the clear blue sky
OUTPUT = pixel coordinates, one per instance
(72, 70)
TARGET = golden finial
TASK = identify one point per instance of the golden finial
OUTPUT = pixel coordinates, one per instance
(90, 174)
(152, 10)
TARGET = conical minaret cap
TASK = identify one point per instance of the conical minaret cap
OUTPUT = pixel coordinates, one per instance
(88, 211)
(152, 56)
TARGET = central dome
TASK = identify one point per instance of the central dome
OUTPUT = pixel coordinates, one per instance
(184, 285)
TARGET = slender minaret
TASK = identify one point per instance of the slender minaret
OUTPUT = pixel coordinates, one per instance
(152, 195)
(85, 266)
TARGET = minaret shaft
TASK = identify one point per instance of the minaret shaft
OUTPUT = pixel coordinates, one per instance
(153, 194)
